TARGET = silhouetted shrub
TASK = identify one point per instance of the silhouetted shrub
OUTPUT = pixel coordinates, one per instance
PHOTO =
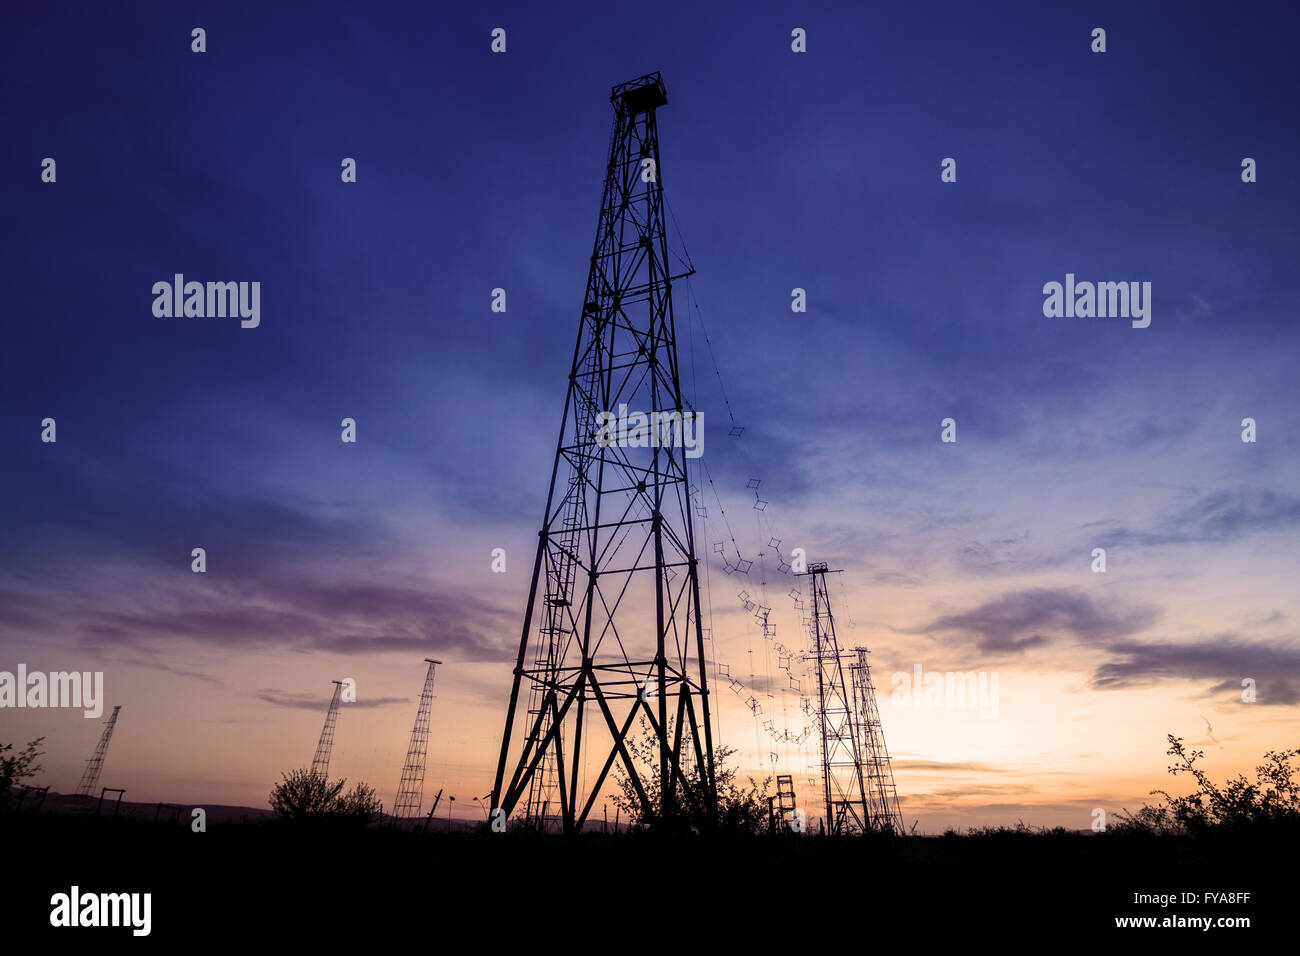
(17, 767)
(1271, 801)
(738, 809)
(303, 796)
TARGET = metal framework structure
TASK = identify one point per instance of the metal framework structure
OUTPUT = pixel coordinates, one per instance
(883, 812)
(612, 628)
(842, 778)
(410, 792)
(784, 801)
(90, 776)
(117, 805)
(320, 764)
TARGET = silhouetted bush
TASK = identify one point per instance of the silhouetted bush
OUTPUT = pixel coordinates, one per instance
(302, 796)
(17, 767)
(739, 809)
(1272, 801)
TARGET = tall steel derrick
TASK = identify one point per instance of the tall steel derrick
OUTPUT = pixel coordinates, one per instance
(90, 776)
(410, 792)
(320, 764)
(857, 782)
(877, 772)
(612, 629)
(844, 789)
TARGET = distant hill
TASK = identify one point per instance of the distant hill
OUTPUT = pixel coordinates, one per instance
(216, 813)
(68, 803)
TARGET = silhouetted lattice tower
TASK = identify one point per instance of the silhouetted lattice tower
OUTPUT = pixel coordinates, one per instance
(883, 812)
(842, 778)
(612, 628)
(90, 776)
(410, 792)
(320, 764)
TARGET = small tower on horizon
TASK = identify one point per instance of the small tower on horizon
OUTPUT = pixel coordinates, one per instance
(320, 764)
(877, 772)
(90, 777)
(857, 778)
(843, 787)
(410, 792)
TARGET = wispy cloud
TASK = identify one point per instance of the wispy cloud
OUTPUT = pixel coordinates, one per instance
(1220, 662)
(1218, 517)
(1037, 617)
(282, 698)
(302, 615)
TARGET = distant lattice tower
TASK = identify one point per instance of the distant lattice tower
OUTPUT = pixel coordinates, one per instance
(877, 772)
(320, 764)
(90, 777)
(410, 792)
(843, 783)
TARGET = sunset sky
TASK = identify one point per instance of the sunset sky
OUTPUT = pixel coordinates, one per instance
(819, 171)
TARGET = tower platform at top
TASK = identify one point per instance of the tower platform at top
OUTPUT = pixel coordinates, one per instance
(640, 95)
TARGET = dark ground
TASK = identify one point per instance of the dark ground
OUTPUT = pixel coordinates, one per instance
(245, 883)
